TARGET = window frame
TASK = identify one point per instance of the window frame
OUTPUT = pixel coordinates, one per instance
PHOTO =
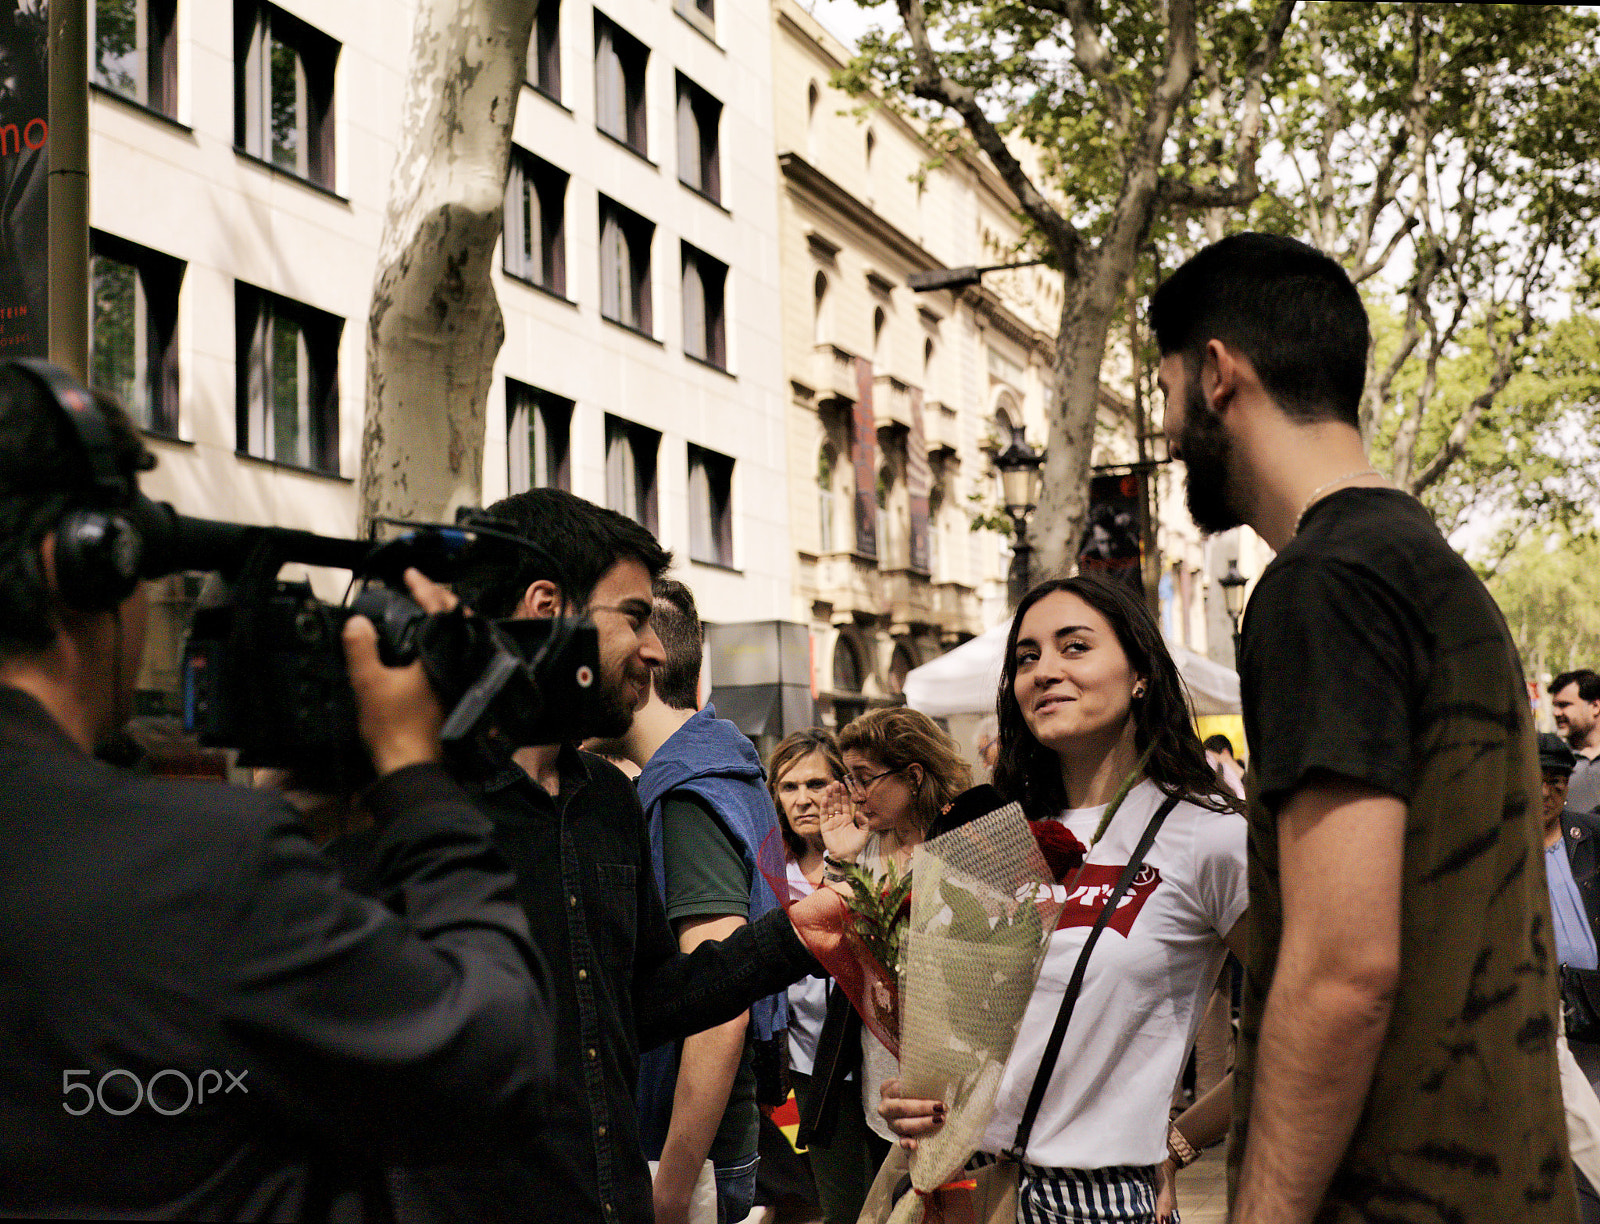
(156, 52)
(543, 69)
(158, 284)
(710, 507)
(257, 25)
(697, 113)
(630, 241)
(532, 414)
(644, 447)
(549, 184)
(704, 298)
(629, 126)
(256, 312)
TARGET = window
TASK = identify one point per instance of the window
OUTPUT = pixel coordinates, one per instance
(544, 50)
(879, 322)
(819, 303)
(701, 14)
(288, 384)
(625, 266)
(705, 326)
(535, 235)
(133, 349)
(847, 683)
(699, 120)
(538, 439)
(136, 51)
(827, 463)
(619, 64)
(710, 507)
(631, 470)
(283, 91)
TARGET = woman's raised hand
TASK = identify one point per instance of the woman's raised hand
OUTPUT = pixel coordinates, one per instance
(844, 830)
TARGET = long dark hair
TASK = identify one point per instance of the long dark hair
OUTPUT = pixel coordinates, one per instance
(1029, 773)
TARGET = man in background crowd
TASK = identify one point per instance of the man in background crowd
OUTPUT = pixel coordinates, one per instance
(710, 816)
(1575, 702)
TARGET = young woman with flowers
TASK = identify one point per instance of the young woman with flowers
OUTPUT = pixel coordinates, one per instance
(1089, 696)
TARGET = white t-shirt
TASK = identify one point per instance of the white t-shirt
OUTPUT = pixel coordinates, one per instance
(1143, 991)
(808, 998)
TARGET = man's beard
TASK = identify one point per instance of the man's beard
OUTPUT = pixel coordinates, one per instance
(614, 707)
(1215, 504)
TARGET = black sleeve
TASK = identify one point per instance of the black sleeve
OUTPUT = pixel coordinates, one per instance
(684, 994)
(1329, 669)
(395, 1035)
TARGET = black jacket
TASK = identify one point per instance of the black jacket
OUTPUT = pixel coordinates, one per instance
(163, 941)
(1578, 831)
(618, 986)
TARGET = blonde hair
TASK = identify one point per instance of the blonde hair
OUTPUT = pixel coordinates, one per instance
(900, 737)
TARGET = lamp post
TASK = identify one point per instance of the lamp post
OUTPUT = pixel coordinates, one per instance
(959, 278)
(1233, 584)
(1019, 466)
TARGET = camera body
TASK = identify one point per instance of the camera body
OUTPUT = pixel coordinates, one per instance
(264, 666)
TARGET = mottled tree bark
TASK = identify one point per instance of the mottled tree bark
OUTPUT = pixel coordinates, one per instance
(435, 324)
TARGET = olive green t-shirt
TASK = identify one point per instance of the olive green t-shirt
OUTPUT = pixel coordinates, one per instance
(1372, 652)
(707, 878)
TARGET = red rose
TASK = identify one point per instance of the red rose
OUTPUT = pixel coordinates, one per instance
(1062, 851)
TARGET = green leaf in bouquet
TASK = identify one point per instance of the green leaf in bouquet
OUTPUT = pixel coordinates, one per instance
(968, 920)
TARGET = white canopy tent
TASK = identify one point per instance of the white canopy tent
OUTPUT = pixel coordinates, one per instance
(964, 680)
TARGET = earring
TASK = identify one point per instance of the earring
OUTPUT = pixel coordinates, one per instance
(1138, 690)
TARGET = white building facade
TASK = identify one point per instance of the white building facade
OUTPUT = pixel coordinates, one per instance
(240, 161)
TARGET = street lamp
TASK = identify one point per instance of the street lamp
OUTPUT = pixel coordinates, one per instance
(1233, 584)
(959, 278)
(1019, 466)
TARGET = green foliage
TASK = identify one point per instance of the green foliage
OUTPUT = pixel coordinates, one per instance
(1533, 464)
(1548, 588)
(876, 904)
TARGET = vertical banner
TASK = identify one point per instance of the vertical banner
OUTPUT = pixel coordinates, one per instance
(1111, 538)
(864, 458)
(24, 170)
(919, 480)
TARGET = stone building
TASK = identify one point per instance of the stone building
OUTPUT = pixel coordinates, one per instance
(896, 399)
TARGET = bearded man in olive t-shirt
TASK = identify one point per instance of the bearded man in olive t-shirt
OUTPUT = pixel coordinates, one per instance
(1397, 1055)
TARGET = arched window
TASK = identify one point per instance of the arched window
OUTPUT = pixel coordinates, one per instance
(848, 675)
(900, 665)
(819, 304)
(880, 323)
(935, 521)
(928, 352)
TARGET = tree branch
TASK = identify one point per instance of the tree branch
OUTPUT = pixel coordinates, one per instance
(1094, 61)
(931, 84)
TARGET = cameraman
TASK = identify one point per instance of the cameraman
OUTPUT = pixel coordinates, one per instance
(199, 1021)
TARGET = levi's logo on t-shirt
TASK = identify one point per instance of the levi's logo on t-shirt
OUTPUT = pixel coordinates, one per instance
(1095, 886)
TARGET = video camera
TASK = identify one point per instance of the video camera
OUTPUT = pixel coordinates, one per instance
(264, 666)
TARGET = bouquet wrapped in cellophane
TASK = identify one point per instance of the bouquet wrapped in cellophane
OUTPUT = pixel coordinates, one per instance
(983, 907)
(943, 976)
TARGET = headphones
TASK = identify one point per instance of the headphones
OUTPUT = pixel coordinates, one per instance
(98, 550)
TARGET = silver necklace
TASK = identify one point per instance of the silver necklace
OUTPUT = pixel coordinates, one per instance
(1323, 488)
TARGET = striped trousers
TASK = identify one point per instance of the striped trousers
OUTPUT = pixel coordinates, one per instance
(1122, 1194)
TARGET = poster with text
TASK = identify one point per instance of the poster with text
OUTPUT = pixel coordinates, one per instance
(1111, 538)
(24, 218)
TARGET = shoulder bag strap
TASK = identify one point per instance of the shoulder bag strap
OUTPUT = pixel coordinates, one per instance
(1052, 1049)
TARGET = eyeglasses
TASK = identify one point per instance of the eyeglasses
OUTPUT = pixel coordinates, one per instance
(860, 786)
(638, 618)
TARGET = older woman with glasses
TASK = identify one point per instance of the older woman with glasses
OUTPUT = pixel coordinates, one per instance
(900, 772)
